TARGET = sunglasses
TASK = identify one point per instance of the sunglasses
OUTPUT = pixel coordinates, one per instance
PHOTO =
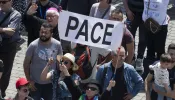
(25, 90)
(91, 88)
(4, 2)
(66, 62)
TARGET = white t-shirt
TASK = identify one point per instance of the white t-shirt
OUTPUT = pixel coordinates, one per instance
(160, 75)
(98, 13)
(157, 11)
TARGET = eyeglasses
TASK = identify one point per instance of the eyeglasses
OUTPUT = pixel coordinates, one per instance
(91, 88)
(4, 2)
(49, 16)
(25, 90)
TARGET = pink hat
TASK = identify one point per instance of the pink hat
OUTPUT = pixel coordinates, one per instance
(53, 9)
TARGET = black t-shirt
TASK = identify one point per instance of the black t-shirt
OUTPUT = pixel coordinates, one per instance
(41, 11)
(1, 69)
(118, 92)
(172, 77)
(1, 66)
(136, 5)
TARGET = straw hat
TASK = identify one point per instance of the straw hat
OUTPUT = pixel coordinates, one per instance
(71, 58)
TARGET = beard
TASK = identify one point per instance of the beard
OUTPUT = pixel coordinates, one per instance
(44, 39)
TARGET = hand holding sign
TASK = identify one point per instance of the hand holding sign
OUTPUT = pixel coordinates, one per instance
(111, 85)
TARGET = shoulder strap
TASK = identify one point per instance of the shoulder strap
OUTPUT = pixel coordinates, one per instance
(6, 17)
(105, 12)
(103, 75)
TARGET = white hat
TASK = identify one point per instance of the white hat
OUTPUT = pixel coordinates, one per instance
(71, 58)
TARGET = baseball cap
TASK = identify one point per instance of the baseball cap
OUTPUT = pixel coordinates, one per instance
(21, 82)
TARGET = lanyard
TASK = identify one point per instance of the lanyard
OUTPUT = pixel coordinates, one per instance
(41, 14)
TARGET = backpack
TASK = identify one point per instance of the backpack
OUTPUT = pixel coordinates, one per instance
(83, 61)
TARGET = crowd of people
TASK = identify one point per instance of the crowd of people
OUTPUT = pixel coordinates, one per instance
(57, 69)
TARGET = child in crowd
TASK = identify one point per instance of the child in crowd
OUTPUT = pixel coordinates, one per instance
(22, 86)
(161, 75)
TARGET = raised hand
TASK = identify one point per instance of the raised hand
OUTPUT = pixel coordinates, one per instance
(50, 61)
(32, 9)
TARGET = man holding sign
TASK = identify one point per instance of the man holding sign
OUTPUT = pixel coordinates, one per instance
(129, 82)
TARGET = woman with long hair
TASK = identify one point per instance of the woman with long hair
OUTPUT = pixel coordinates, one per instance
(60, 90)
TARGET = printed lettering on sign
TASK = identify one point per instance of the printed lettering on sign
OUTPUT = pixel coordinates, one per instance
(90, 31)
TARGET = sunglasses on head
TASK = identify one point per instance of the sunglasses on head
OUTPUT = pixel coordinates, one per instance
(4, 2)
(25, 90)
(91, 88)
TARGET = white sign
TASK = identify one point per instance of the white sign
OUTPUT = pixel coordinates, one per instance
(90, 31)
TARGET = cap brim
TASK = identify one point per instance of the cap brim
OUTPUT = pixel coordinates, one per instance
(25, 83)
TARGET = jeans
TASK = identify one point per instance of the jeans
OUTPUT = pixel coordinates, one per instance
(132, 27)
(7, 58)
(156, 43)
(162, 89)
(43, 91)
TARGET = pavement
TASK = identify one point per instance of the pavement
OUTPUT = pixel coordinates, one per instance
(18, 71)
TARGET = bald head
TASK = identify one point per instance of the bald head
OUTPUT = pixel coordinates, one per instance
(118, 57)
(121, 49)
